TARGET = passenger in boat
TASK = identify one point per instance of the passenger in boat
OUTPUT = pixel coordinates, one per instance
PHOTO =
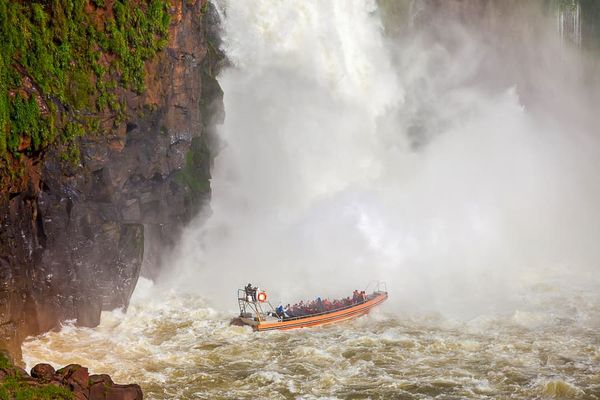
(319, 305)
(280, 312)
(302, 309)
(288, 311)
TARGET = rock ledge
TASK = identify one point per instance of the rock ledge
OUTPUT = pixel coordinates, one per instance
(71, 382)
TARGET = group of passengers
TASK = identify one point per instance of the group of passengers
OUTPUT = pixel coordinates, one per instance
(319, 305)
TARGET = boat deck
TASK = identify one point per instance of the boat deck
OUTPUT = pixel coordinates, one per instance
(326, 317)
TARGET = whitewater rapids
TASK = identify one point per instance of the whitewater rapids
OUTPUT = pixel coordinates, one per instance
(177, 348)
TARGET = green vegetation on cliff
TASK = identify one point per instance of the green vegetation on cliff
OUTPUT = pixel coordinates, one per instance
(63, 65)
(195, 174)
(14, 386)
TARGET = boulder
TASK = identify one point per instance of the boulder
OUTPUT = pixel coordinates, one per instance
(101, 378)
(98, 391)
(80, 396)
(75, 376)
(124, 392)
(43, 372)
(80, 377)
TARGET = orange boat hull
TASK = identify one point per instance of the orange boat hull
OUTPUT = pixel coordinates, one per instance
(325, 318)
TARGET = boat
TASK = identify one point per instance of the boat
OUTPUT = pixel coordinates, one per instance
(256, 310)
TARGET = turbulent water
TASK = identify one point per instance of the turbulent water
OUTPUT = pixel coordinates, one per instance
(177, 348)
(458, 167)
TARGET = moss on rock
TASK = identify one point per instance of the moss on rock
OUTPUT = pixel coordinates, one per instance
(64, 64)
(16, 384)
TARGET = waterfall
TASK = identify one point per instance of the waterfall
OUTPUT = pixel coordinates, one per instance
(569, 22)
(310, 83)
(318, 186)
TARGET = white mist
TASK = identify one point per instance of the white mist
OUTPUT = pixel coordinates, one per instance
(319, 186)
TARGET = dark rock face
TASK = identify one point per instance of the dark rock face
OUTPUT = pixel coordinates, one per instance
(73, 244)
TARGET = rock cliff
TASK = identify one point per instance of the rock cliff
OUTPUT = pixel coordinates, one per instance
(73, 234)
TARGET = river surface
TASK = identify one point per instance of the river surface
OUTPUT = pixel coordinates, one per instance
(177, 348)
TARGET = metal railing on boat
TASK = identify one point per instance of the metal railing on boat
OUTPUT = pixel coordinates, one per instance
(256, 306)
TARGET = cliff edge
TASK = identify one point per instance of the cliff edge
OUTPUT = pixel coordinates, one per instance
(105, 161)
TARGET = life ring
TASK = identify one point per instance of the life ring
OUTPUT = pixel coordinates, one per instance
(262, 296)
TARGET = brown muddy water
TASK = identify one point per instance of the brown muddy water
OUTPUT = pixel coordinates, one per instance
(177, 348)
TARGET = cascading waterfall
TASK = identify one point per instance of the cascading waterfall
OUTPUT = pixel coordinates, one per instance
(569, 22)
(311, 84)
(348, 155)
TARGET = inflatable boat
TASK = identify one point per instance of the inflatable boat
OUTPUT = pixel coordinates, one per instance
(257, 312)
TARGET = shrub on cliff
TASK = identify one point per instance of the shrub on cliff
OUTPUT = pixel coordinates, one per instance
(65, 66)
(16, 384)
(12, 388)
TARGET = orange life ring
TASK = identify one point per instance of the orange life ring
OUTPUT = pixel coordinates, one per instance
(262, 296)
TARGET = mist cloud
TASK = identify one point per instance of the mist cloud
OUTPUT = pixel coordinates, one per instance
(422, 160)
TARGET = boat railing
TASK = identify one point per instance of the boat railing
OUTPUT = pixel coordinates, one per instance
(255, 307)
(378, 286)
(242, 295)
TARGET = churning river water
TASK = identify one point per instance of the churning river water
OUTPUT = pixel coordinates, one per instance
(177, 348)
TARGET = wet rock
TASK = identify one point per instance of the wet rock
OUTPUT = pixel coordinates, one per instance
(131, 211)
(93, 154)
(81, 395)
(101, 378)
(124, 392)
(75, 376)
(106, 390)
(98, 391)
(80, 377)
(88, 311)
(43, 372)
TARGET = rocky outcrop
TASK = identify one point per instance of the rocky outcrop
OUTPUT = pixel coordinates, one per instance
(70, 382)
(72, 241)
